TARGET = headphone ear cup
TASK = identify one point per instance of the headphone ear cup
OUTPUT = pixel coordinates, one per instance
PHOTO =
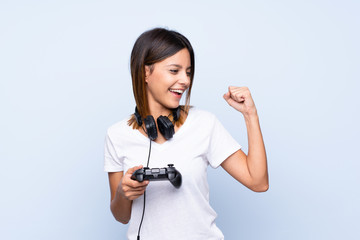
(137, 117)
(176, 113)
(166, 127)
(150, 127)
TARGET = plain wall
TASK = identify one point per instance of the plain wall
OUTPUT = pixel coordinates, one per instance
(64, 79)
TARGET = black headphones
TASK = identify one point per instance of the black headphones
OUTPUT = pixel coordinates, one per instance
(166, 127)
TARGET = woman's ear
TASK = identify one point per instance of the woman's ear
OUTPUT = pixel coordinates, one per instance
(147, 72)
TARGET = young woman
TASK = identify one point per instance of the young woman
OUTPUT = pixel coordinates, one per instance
(162, 70)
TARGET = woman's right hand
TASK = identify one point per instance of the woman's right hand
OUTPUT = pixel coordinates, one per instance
(131, 189)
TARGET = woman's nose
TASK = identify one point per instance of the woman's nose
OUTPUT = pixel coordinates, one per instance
(184, 78)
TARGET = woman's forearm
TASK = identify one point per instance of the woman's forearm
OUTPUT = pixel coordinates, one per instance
(256, 158)
(121, 208)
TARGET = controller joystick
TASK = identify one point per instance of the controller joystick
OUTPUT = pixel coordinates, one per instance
(156, 174)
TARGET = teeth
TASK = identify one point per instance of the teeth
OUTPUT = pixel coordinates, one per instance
(177, 91)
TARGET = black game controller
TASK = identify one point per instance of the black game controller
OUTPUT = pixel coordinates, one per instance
(153, 174)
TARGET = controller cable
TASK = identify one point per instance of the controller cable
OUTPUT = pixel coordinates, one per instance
(142, 217)
(147, 165)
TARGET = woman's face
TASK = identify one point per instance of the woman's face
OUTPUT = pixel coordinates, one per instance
(168, 81)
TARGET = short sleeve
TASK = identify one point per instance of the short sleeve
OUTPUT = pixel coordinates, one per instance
(221, 144)
(113, 162)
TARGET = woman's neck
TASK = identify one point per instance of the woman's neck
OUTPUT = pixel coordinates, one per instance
(159, 111)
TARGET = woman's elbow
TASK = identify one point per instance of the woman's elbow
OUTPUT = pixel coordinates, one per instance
(263, 187)
(123, 221)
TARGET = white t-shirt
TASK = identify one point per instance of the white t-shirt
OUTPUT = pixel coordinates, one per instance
(171, 213)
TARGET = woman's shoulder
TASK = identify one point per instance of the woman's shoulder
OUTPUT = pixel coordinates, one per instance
(202, 115)
(200, 112)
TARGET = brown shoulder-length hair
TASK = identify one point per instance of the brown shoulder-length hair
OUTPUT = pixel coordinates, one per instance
(151, 47)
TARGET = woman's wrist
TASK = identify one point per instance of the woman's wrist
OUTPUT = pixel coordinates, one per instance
(251, 117)
(120, 194)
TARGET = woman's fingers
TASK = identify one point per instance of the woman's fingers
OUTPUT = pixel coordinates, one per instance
(240, 99)
(130, 171)
(239, 93)
(131, 195)
(132, 189)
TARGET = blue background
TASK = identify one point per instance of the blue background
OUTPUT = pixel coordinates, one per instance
(64, 79)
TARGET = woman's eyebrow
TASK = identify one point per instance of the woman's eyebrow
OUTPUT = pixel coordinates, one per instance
(174, 65)
(177, 65)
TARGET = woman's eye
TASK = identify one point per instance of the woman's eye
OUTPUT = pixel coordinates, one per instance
(188, 74)
(174, 70)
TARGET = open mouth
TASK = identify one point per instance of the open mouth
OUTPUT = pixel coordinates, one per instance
(177, 91)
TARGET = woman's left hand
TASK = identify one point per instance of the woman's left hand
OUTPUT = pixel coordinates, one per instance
(240, 99)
